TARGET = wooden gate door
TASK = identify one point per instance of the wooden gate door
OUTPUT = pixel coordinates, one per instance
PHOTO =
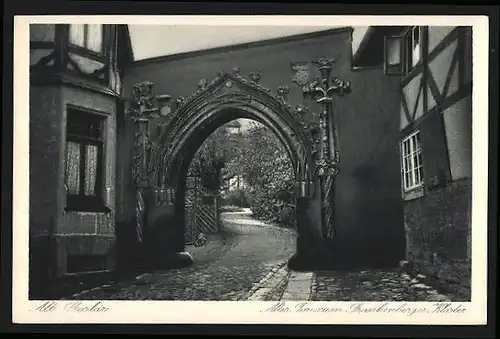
(207, 212)
(190, 200)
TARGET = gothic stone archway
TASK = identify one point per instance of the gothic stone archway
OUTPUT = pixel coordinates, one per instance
(227, 97)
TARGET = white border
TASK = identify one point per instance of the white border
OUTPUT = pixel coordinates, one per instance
(248, 312)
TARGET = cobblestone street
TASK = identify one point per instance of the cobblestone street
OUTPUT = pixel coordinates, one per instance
(374, 285)
(228, 267)
(247, 261)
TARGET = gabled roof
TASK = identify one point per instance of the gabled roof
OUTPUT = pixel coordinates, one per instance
(125, 50)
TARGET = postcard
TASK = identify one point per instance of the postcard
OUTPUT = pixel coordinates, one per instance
(250, 169)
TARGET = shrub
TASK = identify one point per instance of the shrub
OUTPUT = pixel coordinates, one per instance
(266, 167)
(263, 163)
(238, 198)
(230, 208)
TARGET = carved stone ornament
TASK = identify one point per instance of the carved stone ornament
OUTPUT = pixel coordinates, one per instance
(324, 62)
(282, 92)
(140, 208)
(255, 76)
(310, 88)
(301, 109)
(339, 87)
(164, 104)
(143, 95)
(161, 128)
(313, 128)
(179, 101)
(326, 167)
(202, 84)
(237, 97)
(301, 70)
(137, 158)
(165, 110)
(141, 108)
(144, 104)
(328, 158)
(252, 83)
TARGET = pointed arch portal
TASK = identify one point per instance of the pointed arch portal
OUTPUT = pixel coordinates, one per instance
(226, 98)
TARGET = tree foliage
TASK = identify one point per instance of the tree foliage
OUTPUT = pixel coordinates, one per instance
(266, 167)
(212, 156)
(261, 160)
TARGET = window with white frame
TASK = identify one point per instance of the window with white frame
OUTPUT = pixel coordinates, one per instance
(413, 174)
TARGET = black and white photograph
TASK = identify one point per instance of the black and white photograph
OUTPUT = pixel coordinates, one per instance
(285, 164)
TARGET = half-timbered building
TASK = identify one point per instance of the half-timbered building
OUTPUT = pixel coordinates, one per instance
(434, 68)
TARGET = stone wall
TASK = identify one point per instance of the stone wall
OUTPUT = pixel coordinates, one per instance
(179, 76)
(45, 139)
(369, 211)
(438, 228)
(55, 233)
(87, 233)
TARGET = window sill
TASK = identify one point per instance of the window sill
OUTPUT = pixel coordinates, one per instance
(83, 209)
(86, 273)
(414, 193)
(50, 76)
(366, 68)
(86, 52)
(86, 204)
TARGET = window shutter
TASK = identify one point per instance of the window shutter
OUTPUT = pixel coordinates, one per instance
(434, 151)
(394, 55)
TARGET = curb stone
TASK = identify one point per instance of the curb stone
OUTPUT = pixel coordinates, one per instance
(314, 287)
(260, 286)
(299, 286)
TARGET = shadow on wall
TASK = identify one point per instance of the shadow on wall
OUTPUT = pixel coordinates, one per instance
(128, 259)
(370, 229)
(39, 271)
